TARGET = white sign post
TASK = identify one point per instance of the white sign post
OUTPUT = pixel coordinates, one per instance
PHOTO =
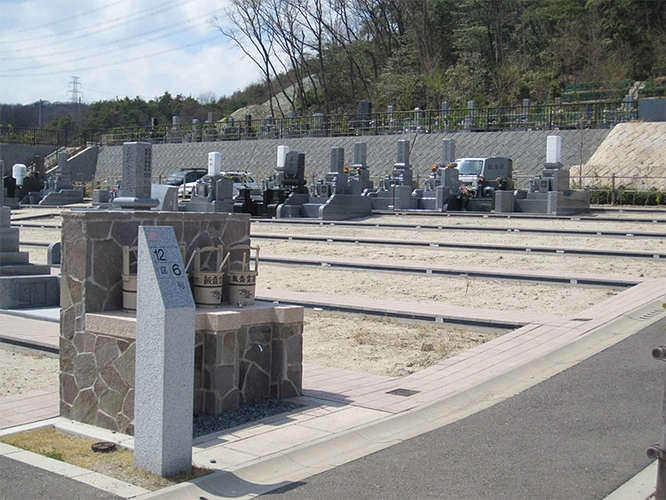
(164, 370)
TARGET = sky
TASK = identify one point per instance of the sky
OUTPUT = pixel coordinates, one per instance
(100, 50)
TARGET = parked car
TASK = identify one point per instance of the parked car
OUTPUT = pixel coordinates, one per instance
(186, 175)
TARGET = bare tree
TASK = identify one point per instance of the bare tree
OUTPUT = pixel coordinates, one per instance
(248, 25)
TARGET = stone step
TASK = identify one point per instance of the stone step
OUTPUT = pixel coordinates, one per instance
(24, 270)
(29, 291)
(7, 258)
(9, 239)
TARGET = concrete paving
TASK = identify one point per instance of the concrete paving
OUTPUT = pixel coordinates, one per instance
(348, 415)
(578, 434)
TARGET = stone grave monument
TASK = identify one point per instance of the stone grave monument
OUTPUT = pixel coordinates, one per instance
(23, 284)
(58, 189)
(215, 192)
(339, 195)
(8, 193)
(395, 191)
(135, 187)
(360, 173)
(549, 191)
(442, 185)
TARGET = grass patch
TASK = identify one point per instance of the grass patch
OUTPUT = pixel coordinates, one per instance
(76, 450)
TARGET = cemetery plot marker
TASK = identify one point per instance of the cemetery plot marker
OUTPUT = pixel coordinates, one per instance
(164, 356)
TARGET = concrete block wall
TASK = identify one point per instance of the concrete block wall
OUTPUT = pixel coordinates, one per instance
(21, 153)
(83, 165)
(526, 148)
(635, 153)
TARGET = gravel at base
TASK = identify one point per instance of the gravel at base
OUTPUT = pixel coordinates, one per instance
(21, 372)
(251, 412)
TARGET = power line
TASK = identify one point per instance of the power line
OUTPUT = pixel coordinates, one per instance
(133, 17)
(32, 28)
(13, 74)
(116, 47)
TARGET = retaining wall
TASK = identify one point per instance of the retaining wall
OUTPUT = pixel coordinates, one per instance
(526, 148)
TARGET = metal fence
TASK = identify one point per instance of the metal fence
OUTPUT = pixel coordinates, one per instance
(526, 117)
(532, 117)
(37, 136)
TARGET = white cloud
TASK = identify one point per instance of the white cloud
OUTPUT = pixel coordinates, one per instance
(116, 48)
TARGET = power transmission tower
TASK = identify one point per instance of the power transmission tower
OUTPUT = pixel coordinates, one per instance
(76, 93)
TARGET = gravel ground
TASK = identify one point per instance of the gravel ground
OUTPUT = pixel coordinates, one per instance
(21, 372)
(398, 348)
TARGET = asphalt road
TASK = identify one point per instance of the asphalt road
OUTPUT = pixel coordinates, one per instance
(19, 481)
(580, 434)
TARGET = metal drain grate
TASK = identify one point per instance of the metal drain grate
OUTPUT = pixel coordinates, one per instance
(403, 392)
(650, 314)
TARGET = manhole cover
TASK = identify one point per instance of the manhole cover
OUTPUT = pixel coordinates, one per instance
(403, 392)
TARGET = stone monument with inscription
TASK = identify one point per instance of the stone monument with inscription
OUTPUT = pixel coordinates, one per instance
(164, 366)
(135, 187)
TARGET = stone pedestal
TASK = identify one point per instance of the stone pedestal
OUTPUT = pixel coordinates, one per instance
(241, 354)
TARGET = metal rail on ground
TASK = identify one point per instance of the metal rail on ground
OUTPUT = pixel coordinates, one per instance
(465, 246)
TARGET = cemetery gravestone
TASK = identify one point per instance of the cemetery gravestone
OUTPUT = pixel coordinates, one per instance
(136, 180)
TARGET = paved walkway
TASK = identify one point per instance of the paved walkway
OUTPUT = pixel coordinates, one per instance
(339, 403)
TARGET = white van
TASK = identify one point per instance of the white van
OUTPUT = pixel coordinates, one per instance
(484, 170)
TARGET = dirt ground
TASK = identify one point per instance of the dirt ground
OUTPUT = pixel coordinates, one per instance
(394, 347)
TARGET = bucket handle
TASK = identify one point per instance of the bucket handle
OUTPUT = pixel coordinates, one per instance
(126, 259)
(247, 257)
(196, 257)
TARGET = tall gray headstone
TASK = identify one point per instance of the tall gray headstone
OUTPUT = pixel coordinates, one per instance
(62, 161)
(448, 151)
(403, 153)
(164, 369)
(360, 155)
(135, 188)
(526, 108)
(337, 160)
(64, 173)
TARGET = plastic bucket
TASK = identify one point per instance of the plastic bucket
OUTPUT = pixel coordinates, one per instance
(129, 292)
(241, 287)
(207, 288)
